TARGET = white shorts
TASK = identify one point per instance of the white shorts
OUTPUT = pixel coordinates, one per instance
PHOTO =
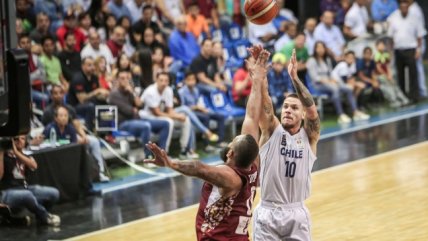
(286, 222)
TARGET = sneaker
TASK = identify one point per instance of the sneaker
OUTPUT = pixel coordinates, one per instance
(104, 178)
(53, 220)
(358, 116)
(344, 119)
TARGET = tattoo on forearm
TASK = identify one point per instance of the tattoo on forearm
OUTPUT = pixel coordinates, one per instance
(313, 127)
(303, 93)
(187, 167)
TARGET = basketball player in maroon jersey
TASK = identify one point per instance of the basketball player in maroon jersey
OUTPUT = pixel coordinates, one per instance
(228, 192)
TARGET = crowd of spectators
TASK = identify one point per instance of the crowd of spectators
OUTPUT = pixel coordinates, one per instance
(131, 53)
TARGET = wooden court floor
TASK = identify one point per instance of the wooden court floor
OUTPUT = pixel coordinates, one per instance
(382, 198)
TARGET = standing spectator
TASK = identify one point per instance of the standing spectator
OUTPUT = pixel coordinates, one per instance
(63, 128)
(279, 80)
(331, 35)
(182, 44)
(91, 142)
(416, 12)
(51, 63)
(302, 54)
(309, 32)
(196, 22)
(128, 105)
(135, 7)
(366, 72)
(345, 74)
(357, 20)
(407, 37)
(70, 25)
(190, 96)
(381, 9)
(118, 9)
(16, 193)
(320, 68)
(117, 41)
(389, 88)
(158, 104)
(85, 92)
(69, 58)
(146, 21)
(42, 28)
(204, 66)
(241, 86)
(94, 48)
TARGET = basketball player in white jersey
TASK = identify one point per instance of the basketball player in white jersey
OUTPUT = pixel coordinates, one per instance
(287, 154)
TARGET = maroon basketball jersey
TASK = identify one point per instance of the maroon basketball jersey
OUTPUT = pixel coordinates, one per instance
(220, 218)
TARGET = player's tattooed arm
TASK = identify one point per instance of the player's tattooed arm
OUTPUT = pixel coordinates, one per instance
(268, 121)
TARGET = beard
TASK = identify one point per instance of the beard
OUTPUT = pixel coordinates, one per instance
(223, 153)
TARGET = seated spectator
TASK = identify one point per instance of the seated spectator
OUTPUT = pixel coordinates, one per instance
(158, 104)
(16, 193)
(190, 97)
(69, 58)
(85, 92)
(150, 42)
(63, 128)
(339, 20)
(37, 72)
(70, 25)
(117, 41)
(135, 7)
(331, 35)
(381, 9)
(128, 106)
(146, 22)
(25, 13)
(104, 74)
(171, 10)
(42, 28)
(118, 9)
(204, 66)
(208, 9)
(107, 28)
(357, 20)
(279, 81)
(241, 86)
(160, 62)
(320, 68)
(53, 9)
(309, 32)
(366, 72)
(388, 85)
(182, 44)
(222, 69)
(51, 63)
(196, 22)
(94, 48)
(289, 32)
(85, 24)
(91, 142)
(125, 23)
(302, 54)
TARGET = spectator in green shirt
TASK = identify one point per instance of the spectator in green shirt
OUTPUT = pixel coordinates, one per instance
(302, 53)
(52, 64)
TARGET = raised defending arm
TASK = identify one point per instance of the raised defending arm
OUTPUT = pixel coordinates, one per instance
(312, 120)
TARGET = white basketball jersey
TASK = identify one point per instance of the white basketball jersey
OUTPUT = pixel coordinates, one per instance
(285, 167)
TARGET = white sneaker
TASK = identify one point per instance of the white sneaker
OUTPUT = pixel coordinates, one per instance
(104, 178)
(53, 220)
(358, 115)
(344, 119)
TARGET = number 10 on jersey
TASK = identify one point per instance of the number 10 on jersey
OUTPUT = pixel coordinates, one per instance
(290, 169)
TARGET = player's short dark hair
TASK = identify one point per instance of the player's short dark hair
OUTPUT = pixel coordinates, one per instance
(245, 150)
(292, 95)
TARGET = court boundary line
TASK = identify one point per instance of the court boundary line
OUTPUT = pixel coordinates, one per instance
(319, 172)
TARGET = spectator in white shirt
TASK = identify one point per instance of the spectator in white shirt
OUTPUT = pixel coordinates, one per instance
(416, 12)
(407, 36)
(290, 32)
(265, 34)
(357, 20)
(94, 48)
(309, 31)
(331, 35)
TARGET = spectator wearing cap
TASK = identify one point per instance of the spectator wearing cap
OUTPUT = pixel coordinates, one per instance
(118, 9)
(70, 25)
(196, 22)
(279, 80)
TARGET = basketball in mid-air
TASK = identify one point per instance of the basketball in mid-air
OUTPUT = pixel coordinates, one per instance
(261, 11)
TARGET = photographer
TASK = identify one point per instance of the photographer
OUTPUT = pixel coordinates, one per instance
(15, 191)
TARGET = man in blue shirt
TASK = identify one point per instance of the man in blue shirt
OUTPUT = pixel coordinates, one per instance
(63, 128)
(381, 9)
(118, 9)
(182, 45)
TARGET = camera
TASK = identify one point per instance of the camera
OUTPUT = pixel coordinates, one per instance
(5, 143)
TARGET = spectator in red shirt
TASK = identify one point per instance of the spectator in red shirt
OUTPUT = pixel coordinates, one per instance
(242, 84)
(117, 41)
(70, 25)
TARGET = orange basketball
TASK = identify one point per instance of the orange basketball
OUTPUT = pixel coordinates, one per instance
(260, 11)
